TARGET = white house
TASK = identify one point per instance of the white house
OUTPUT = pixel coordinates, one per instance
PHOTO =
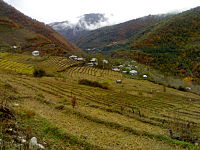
(188, 88)
(14, 46)
(80, 59)
(115, 69)
(73, 57)
(133, 72)
(124, 71)
(90, 64)
(144, 76)
(35, 53)
(93, 60)
(119, 81)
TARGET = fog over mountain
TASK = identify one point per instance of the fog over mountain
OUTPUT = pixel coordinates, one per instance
(82, 24)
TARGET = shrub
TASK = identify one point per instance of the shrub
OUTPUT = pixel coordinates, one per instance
(39, 73)
(93, 83)
(180, 88)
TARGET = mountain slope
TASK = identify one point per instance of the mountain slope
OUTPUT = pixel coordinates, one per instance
(85, 23)
(110, 35)
(29, 33)
(179, 32)
(175, 44)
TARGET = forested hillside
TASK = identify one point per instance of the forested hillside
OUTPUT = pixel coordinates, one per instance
(180, 32)
(174, 44)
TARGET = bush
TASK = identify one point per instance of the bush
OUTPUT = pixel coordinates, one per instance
(39, 73)
(93, 83)
(180, 88)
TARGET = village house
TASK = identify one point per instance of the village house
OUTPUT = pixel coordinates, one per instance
(116, 69)
(36, 53)
(118, 81)
(90, 64)
(133, 72)
(144, 76)
(73, 57)
(80, 59)
(14, 47)
(94, 61)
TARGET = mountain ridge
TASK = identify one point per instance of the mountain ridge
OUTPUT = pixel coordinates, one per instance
(103, 37)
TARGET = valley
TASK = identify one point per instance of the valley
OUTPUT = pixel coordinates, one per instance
(128, 86)
(167, 42)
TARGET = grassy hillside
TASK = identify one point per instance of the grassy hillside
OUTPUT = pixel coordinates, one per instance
(64, 114)
(29, 34)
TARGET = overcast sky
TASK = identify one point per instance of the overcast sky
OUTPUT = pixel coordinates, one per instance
(122, 10)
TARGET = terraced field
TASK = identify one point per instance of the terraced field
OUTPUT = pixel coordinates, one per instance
(17, 67)
(3, 54)
(61, 63)
(91, 73)
(51, 64)
(136, 114)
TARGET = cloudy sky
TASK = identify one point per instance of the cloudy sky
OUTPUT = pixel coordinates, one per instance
(122, 10)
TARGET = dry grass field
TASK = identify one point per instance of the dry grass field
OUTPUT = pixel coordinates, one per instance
(63, 114)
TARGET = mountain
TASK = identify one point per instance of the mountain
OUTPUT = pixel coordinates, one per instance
(29, 34)
(169, 43)
(115, 35)
(179, 32)
(85, 23)
(175, 44)
(172, 46)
